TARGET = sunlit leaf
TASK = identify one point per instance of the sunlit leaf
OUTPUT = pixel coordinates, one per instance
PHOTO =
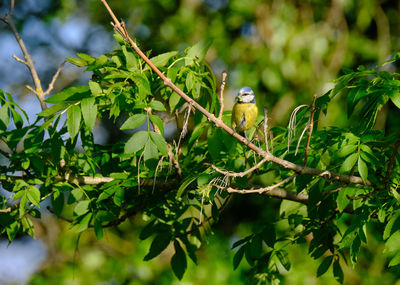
(136, 142)
(73, 120)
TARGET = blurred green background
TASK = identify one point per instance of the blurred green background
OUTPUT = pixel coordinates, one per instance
(286, 51)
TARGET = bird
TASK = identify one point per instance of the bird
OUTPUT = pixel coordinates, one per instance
(244, 111)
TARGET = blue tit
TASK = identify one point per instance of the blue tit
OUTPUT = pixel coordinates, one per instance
(245, 111)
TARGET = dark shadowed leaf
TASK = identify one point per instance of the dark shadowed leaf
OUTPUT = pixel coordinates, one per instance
(237, 258)
(178, 261)
(160, 242)
(324, 266)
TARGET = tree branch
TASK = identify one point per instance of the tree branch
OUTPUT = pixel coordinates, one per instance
(8, 19)
(221, 94)
(54, 79)
(236, 174)
(120, 27)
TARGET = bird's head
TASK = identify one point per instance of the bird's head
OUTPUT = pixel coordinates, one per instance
(246, 95)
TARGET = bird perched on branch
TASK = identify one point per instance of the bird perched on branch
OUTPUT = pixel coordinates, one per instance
(244, 112)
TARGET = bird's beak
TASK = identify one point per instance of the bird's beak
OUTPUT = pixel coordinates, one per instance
(238, 98)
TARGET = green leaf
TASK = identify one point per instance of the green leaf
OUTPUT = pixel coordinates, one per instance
(143, 86)
(5, 115)
(395, 260)
(77, 61)
(159, 243)
(82, 207)
(119, 196)
(136, 142)
(362, 169)
(214, 143)
(392, 226)
(156, 120)
(188, 180)
(256, 247)
(173, 101)
(237, 258)
(98, 229)
(84, 222)
(73, 120)
(75, 195)
(70, 94)
(342, 200)
(53, 109)
(337, 271)
(89, 59)
(324, 266)
(160, 142)
(150, 150)
(346, 150)
(283, 258)
(178, 261)
(349, 162)
(133, 122)
(131, 60)
(241, 241)
(34, 195)
(355, 249)
(157, 105)
(395, 97)
(89, 112)
(161, 60)
(148, 230)
(268, 235)
(57, 202)
(95, 88)
(197, 52)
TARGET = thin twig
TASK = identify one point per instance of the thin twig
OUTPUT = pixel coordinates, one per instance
(266, 130)
(292, 123)
(173, 161)
(221, 93)
(261, 190)
(310, 129)
(300, 138)
(54, 79)
(20, 60)
(236, 174)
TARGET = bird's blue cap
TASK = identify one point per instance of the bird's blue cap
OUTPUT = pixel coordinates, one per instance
(245, 89)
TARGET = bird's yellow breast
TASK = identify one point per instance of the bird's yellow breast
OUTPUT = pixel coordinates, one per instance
(244, 116)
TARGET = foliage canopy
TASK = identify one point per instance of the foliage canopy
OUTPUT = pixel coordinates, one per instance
(334, 184)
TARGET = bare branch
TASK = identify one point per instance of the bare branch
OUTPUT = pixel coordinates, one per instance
(221, 93)
(28, 59)
(54, 79)
(219, 123)
(236, 174)
(20, 60)
(31, 89)
(261, 190)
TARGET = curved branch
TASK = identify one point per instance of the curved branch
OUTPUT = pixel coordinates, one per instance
(120, 27)
(236, 174)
